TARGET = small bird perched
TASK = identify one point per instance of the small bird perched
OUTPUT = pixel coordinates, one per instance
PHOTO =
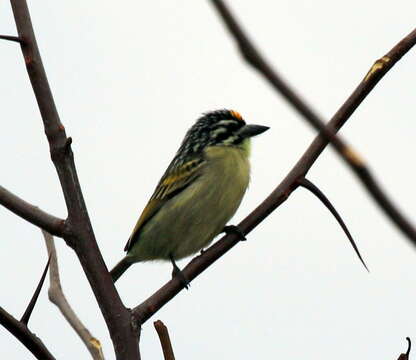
(200, 191)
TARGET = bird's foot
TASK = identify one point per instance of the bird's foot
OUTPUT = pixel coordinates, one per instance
(233, 229)
(176, 272)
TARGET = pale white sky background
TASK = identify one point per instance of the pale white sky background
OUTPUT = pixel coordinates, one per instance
(129, 79)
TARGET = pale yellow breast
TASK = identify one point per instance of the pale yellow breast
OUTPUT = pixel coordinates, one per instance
(190, 220)
(213, 199)
(228, 169)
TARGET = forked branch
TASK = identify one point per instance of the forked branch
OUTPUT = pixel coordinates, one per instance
(253, 56)
(79, 234)
(151, 305)
(25, 336)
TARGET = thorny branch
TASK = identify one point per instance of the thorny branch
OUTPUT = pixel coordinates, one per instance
(347, 153)
(79, 234)
(77, 230)
(25, 336)
(151, 305)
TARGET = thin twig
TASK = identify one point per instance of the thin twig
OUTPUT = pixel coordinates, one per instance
(31, 213)
(25, 336)
(253, 56)
(11, 38)
(163, 333)
(151, 305)
(57, 297)
(80, 234)
(26, 315)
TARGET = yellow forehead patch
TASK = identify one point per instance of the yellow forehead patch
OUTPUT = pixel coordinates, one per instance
(236, 114)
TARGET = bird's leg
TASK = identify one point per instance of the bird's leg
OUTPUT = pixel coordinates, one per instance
(233, 229)
(179, 274)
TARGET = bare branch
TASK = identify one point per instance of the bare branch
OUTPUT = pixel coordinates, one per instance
(26, 316)
(25, 336)
(321, 196)
(151, 305)
(31, 213)
(57, 297)
(11, 38)
(347, 153)
(163, 333)
(80, 234)
(405, 356)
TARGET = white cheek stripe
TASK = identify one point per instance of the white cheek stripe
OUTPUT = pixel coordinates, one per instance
(218, 131)
(226, 122)
(230, 140)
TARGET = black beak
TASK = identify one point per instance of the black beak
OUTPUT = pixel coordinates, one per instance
(252, 130)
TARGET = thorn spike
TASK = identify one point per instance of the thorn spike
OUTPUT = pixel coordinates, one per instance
(26, 316)
(305, 183)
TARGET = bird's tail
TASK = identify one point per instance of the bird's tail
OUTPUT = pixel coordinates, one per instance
(120, 268)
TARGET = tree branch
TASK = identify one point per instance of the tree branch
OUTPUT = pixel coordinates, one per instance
(348, 154)
(163, 333)
(80, 234)
(11, 38)
(57, 297)
(405, 356)
(25, 336)
(31, 213)
(197, 265)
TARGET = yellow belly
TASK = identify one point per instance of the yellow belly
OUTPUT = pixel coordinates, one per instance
(189, 221)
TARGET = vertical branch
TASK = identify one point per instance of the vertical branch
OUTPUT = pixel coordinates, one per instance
(163, 333)
(78, 230)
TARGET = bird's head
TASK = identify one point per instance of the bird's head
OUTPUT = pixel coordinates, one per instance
(219, 128)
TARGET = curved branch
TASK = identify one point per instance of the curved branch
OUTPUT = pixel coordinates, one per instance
(150, 306)
(405, 356)
(31, 213)
(80, 235)
(347, 153)
(25, 336)
(57, 297)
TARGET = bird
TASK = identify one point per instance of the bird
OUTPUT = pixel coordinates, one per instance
(197, 195)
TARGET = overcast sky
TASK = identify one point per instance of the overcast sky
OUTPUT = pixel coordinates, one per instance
(129, 79)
